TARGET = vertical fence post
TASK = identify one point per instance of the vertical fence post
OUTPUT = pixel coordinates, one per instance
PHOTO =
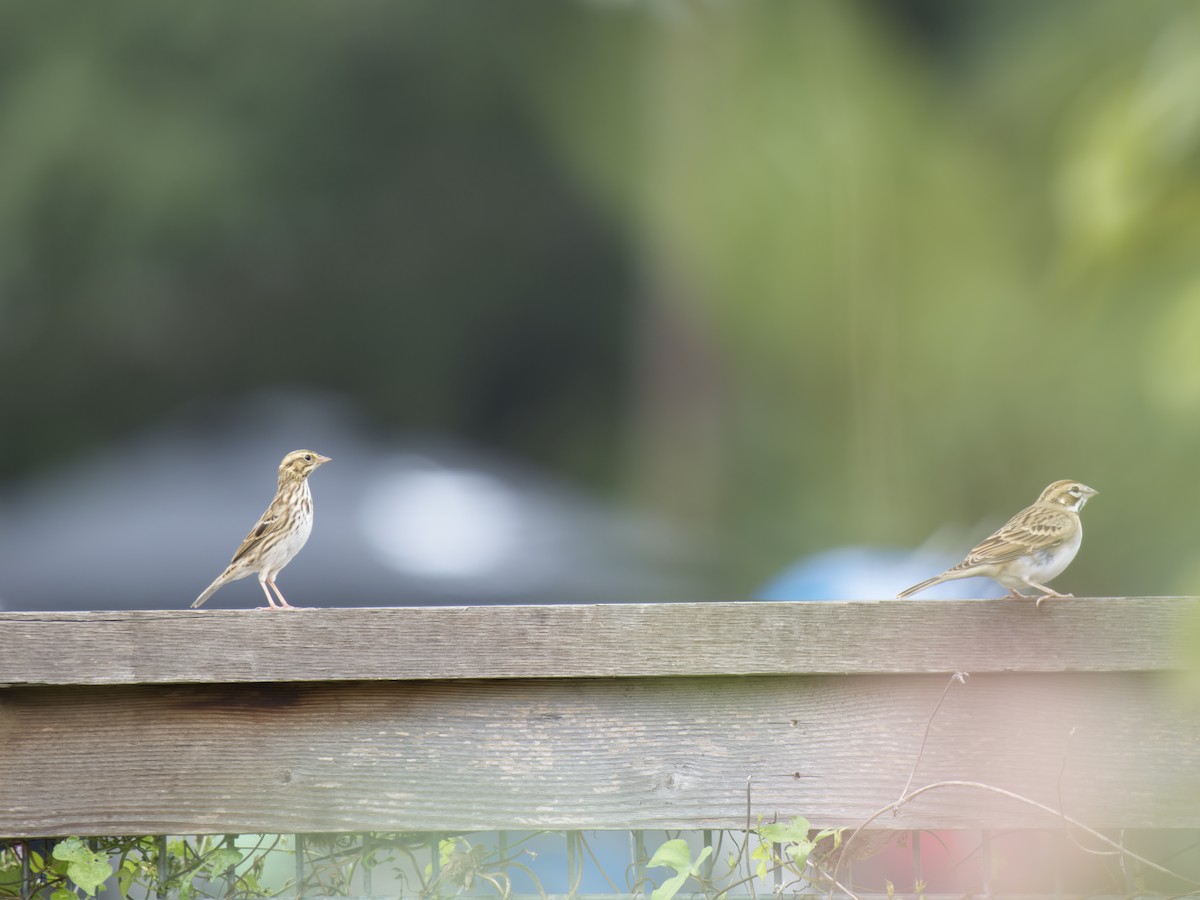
(708, 863)
(163, 866)
(367, 880)
(229, 874)
(502, 852)
(641, 881)
(435, 861)
(299, 854)
(26, 872)
(574, 862)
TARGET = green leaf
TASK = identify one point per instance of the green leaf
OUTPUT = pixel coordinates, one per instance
(57, 867)
(222, 859)
(10, 875)
(670, 887)
(85, 867)
(250, 880)
(677, 855)
(446, 849)
(764, 854)
(798, 853)
(71, 850)
(125, 876)
(90, 874)
(785, 832)
(674, 854)
(835, 833)
(62, 894)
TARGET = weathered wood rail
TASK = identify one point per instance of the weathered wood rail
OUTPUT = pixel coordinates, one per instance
(594, 717)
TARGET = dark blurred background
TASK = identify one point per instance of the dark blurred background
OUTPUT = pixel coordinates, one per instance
(593, 300)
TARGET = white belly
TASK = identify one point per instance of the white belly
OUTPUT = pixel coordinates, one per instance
(285, 550)
(1044, 565)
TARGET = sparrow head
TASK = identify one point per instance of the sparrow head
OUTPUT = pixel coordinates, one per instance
(300, 464)
(1071, 494)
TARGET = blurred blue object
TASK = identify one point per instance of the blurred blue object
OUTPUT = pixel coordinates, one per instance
(873, 573)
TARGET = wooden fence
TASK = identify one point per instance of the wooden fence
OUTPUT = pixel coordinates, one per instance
(599, 717)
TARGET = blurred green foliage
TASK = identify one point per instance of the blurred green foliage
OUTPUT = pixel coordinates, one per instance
(931, 280)
(796, 274)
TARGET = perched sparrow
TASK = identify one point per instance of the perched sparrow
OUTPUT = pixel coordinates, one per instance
(1033, 547)
(279, 534)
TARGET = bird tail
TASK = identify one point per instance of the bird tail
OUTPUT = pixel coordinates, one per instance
(916, 588)
(211, 589)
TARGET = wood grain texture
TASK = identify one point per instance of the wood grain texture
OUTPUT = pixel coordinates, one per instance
(590, 753)
(630, 640)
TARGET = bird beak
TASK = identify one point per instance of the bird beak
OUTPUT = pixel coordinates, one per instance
(321, 460)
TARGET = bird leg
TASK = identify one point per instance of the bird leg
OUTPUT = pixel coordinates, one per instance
(262, 582)
(283, 604)
(1048, 592)
(1014, 594)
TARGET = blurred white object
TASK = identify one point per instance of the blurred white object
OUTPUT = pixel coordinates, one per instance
(430, 521)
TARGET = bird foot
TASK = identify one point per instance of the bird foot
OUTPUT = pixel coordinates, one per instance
(1055, 595)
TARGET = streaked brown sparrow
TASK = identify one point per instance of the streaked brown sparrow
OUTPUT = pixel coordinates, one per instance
(1033, 547)
(278, 536)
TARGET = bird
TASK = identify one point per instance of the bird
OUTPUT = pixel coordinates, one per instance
(1032, 547)
(279, 535)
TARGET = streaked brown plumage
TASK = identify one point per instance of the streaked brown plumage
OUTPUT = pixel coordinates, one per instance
(278, 536)
(1034, 546)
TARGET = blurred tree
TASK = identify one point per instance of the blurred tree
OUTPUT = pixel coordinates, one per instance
(198, 202)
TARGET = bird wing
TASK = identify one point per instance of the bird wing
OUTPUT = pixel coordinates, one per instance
(1038, 527)
(262, 528)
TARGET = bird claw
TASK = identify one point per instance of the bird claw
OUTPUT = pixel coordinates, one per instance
(1055, 595)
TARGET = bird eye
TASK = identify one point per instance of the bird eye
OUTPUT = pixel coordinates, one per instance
(308, 457)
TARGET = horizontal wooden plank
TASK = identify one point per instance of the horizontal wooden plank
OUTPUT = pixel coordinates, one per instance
(591, 753)
(630, 640)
